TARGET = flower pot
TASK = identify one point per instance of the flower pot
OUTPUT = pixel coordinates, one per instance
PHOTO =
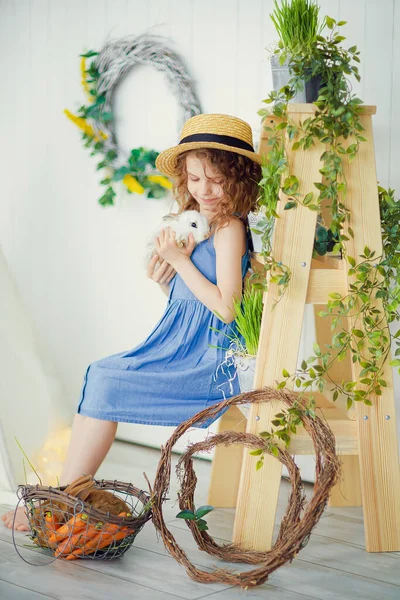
(245, 369)
(253, 219)
(281, 76)
(312, 88)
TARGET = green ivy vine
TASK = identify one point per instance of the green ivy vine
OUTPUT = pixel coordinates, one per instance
(361, 317)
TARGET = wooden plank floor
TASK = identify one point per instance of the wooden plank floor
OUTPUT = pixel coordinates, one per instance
(333, 566)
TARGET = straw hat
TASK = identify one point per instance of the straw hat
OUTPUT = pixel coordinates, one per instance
(210, 131)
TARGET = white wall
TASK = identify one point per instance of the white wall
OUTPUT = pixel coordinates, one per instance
(76, 264)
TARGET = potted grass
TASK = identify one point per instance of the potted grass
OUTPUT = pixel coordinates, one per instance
(298, 25)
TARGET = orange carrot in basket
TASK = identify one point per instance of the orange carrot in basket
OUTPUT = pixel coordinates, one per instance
(102, 540)
(51, 521)
(71, 527)
(109, 530)
(91, 544)
(67, 545)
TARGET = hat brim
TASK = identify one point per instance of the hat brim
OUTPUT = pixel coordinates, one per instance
(166, 160)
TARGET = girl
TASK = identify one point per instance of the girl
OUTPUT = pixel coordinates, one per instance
(174, 373)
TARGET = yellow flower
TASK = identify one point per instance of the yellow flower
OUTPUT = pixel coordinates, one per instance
(84, 82)
(132, 184)
(161, 180)
(84, 125)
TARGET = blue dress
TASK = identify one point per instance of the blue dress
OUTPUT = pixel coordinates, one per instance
(176, 372)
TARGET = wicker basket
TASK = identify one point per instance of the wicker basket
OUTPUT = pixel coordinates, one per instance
(48, 508)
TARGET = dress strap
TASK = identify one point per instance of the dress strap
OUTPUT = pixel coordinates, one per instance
(249, 239)
(250, 245)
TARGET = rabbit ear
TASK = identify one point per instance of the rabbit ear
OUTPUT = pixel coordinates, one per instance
(169, 218)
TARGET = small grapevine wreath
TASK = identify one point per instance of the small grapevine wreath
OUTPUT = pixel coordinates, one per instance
(137, 171)
(300, 517)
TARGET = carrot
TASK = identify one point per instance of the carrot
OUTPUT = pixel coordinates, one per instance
(51, 521)
(71, 527)
(102, 540)
(91, 543)
(67, 545)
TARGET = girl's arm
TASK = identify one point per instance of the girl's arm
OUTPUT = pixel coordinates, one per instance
(229, 243)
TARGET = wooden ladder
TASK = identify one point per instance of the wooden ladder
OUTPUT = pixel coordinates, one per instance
(366, 436)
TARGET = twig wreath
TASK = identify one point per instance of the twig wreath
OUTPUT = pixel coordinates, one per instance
(300, 517)
(137, 171)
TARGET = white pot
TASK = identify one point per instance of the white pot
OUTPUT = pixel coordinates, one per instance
(254, 218)
(281, 76)
(245, 368)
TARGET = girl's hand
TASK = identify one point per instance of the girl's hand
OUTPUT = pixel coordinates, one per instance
(167, 248)
(163, 274)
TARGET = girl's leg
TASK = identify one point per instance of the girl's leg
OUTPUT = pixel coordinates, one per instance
(90, 441)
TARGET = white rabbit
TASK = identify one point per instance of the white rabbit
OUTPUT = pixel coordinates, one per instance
(190, 221)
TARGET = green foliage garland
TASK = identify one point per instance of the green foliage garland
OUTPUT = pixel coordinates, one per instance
(138, 173)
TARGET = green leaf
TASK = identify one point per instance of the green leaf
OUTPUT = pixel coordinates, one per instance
(203, 510)
(316, 349)
(395, 362)
(89, 54)
(358, 333)
(202, 524)
(351, 261)
(274, 451)
(120, 173)
(106, 116)
(186, 514)
(290, 205)
(259, 464)
(256, 452)
(308, 198)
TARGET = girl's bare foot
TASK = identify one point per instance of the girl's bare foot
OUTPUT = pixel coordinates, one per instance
(21, 520)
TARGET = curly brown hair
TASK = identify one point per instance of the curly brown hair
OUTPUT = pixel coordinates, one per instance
(240, 184)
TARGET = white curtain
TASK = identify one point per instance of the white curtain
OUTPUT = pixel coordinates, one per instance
(30, 396)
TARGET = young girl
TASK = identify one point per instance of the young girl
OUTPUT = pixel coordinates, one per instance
(174, 373)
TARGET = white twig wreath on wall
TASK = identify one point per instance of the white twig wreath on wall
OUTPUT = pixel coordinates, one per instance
(137, 169)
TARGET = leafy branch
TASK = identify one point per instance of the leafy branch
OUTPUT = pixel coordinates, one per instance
(196, 516)
(286, 423)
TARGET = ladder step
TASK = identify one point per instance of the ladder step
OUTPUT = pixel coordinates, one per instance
(327, 275)
(323, 282)
(345, 433)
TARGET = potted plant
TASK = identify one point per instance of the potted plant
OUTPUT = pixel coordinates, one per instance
(298, 25)
(336, 118)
